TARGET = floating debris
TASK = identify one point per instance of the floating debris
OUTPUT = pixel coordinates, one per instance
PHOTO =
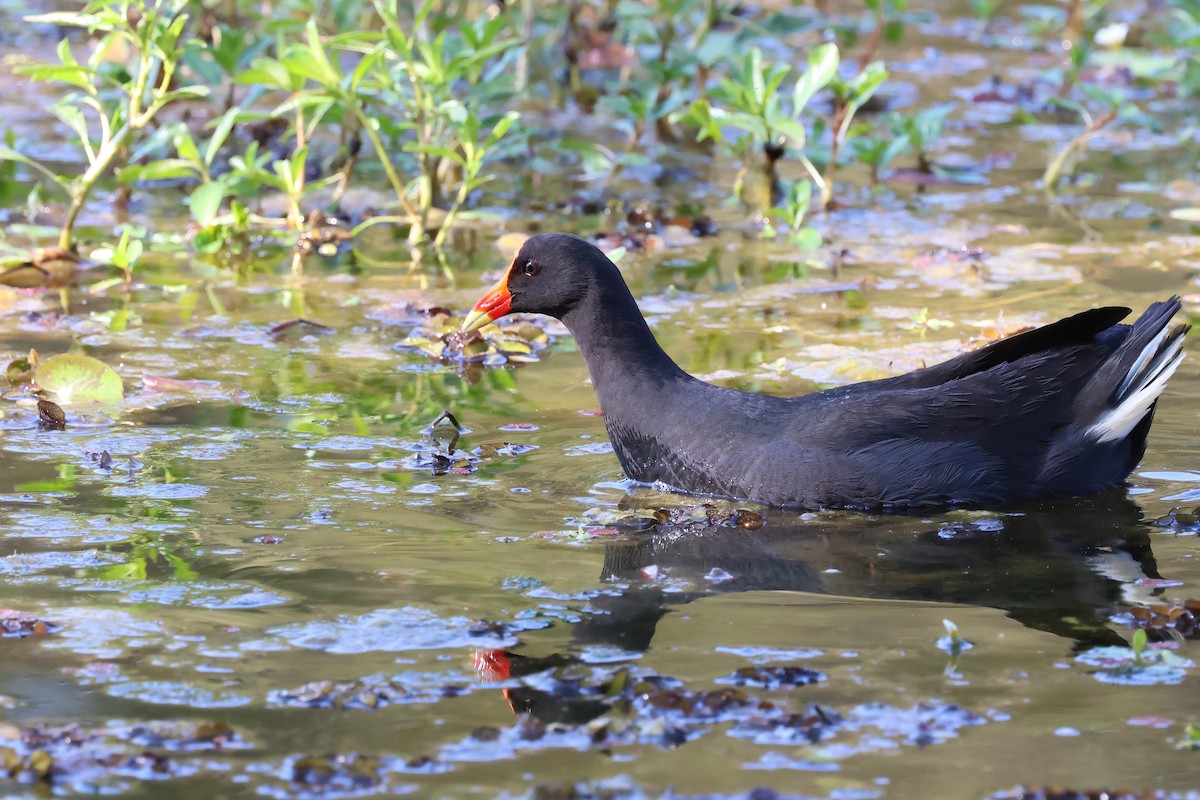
(684, 515)
(1163, 621)
(1049, 793)
(371, 693)
(336, 773)
(19, 624)
(434, 332)
(1135, 667)
(183, 736)
(773, 677)
(1182, 520)
(304, 324)
(50, 416)
(72, 759)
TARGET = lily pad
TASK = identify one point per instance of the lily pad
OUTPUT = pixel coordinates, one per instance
(79, 379)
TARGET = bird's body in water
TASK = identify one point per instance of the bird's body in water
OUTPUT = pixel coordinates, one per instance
(1060, 410)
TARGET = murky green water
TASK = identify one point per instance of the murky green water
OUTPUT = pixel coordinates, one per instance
(273, 584)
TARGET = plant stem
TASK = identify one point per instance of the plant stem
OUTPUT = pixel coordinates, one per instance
(876, 37)
(295, 216)
(835, 146)
(381, 152)
(148, 72)
(1055, 167)
(811, 169)
(464, 190)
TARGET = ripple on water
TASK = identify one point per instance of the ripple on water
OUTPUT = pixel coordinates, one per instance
(593, 449)
(68, 446)
(103, 632)
(176, 693)
(388, 630)
(161, 491)
(763, 655)
(26, 564)
(218, 596)
(354, 444)
(87, 528)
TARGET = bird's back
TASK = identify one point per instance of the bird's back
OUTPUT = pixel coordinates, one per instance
(1063, 409)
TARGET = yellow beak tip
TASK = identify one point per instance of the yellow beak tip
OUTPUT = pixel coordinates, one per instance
(474, 321)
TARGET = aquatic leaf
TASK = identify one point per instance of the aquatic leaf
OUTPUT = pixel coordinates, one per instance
(822, 67)
(76, 378)
(205, 202)
(19, 371)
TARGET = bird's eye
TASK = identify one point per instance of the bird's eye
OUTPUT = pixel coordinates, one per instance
(531, 268)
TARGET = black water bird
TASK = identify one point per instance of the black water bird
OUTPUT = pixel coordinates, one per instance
(1059, 410)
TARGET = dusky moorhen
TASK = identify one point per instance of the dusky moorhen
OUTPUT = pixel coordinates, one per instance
(1059, 410)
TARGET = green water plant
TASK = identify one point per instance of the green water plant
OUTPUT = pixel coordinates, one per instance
(794, 212)
(1191, 737)
(748, 114)
(73, 378)
(918, 132)
(849, 96)
(125, 254)
(111, 105)
(446, 86)
(985, 12)
(1100, 108)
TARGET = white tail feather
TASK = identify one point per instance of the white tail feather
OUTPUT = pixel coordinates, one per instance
(1135, 372)
(1120, 421)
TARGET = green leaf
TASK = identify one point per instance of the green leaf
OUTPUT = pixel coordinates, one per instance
(822, 67)
(127, 253)
(133, 570)
(79, 379)
(205, 202)
(185, 145)
(366, 64)
(182, 571)
(440, 152)
(754, 72)
(326, 72)
(1070, 105)
(863, 87)
(806, 238)
(220, 134)
(268, 72)
(164, 169)
(1104, 97)
(72, 19)
(8, 154)
(893, 31)
(794, 131)
(78, 76)
(184, 93)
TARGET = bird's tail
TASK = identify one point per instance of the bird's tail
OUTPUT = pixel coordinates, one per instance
(1124, 391)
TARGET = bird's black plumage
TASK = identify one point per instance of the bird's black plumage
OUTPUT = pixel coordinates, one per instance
(1060, 410)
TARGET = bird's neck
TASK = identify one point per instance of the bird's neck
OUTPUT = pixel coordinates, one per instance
(625, 362)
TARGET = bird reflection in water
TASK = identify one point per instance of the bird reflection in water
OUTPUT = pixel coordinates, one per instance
(1060, 567)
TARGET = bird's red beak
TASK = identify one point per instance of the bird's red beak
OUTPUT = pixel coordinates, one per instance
(492, 306)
